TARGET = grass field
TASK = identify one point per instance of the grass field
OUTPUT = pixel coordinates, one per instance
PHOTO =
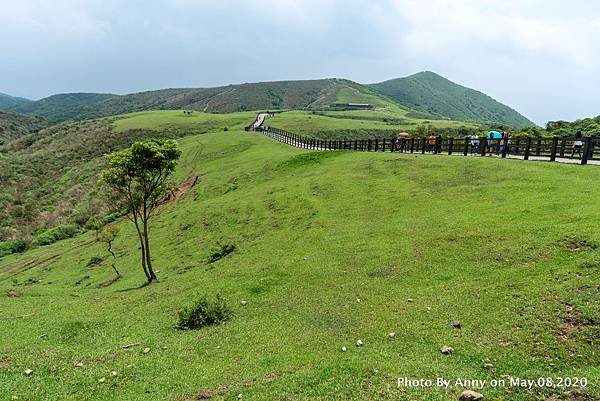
(359, 124)
(164, 120)
(331, 247)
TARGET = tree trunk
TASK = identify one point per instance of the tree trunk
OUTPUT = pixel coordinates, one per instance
(142, 247)
(152, 276)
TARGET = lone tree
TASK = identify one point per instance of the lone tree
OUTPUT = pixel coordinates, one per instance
(140, 177)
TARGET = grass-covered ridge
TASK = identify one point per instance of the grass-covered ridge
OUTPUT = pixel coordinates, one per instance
(329, 248)
(430, 93)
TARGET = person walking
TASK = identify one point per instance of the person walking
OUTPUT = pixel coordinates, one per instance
(577, 144)
(474, 144)
(394, 143)
(431, 142)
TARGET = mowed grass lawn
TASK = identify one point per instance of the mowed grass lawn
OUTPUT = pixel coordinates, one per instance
(331, 248)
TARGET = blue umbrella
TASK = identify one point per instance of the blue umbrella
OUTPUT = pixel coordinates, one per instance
(494, 135)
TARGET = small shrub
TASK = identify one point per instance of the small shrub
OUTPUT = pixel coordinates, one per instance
(225, 129)
(204, 313)
(9, 247)
(56, 234)
(94, 260)
(221, 250)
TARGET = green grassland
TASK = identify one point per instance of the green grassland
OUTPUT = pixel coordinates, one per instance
(357, 124)
(49, 178)
(331, 247)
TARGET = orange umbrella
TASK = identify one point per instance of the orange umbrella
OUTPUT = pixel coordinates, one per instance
(403, 134)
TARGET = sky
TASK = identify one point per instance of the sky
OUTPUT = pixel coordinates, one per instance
(540, 57)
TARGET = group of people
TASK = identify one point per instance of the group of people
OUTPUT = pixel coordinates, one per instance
(494, 140)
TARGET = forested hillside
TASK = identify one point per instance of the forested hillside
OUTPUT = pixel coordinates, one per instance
(14, 125)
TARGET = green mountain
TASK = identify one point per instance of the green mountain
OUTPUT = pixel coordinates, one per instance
(433, 94)
(424, 95)
(8, 102)
(308, 94)
(63, 107)
(13, 126)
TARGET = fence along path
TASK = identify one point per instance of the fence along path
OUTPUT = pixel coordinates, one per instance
(525, 148)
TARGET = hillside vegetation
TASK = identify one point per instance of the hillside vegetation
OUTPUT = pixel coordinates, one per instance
(330, 248)
(589, 126)
(430, 93)
(421, 96)
(8, 102)
(50, 177)
(13, 126)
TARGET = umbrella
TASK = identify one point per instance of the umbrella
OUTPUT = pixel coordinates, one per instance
(403, 134)
(494, 135)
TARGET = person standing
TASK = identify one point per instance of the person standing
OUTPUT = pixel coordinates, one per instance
(577, 144)
(474, 144)
(431, 142)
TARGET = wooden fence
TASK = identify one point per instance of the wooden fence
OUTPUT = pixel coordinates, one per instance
(534, 148)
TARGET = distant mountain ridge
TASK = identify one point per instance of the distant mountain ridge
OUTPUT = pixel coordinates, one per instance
(425, 94)
(431, 93)
(8, 101)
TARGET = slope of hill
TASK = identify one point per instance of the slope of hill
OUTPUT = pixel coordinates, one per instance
(63, 107)
(8, 102)
(49, 178)
(330, 248)
(14, 125)
(436, 95)
(424, 96)
(227, 99)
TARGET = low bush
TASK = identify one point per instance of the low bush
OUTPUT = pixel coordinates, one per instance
(56, 234)
(94, 260)
(9, 247)
(204, 313)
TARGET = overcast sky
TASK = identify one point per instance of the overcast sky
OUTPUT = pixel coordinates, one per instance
(541, 57)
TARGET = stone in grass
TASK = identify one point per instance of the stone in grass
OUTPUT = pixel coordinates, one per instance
(79, 364)
(446, 350)
(114, 373)
(28, 372)
(470, 395)
(392, 335)
(146, 350)
(455, 324)
(344, 349)
(359, 343)
(102, 380)
(243, 302)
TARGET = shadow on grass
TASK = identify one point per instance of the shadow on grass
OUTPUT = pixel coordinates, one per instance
(139, 287)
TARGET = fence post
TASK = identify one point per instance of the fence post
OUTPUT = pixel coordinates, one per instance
(586, 150)
(466, 147)
(538, 146)
(412, 145)
(450, 144)
(483, 145)
(553, 148)
(562, 147)
(424, 143)
(383, 145)
(517, 146)
(369, 145)
(376, 144)
(527, 148)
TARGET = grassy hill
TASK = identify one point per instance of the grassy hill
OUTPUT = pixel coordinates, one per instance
(421, 96)
(430, 93)
(49, 178)
(8, 102)
(14, 125)
(330, 248)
